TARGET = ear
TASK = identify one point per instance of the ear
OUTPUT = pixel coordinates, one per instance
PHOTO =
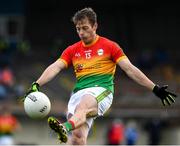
(95, 26)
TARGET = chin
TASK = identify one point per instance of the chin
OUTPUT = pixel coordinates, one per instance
(85, 41)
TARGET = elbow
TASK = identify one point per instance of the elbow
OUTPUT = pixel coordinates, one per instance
(129, 70)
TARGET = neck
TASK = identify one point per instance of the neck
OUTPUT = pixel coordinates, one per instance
(93, 39)
(92, 42)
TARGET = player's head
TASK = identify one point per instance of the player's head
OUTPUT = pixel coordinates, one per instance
(85, 21)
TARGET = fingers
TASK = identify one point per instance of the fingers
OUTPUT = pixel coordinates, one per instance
(168, 100)
(172, 94)
(171, 98)
(167, 97)
(163, 102)
(165, 87)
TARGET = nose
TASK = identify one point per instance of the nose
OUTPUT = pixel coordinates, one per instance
(81, 32)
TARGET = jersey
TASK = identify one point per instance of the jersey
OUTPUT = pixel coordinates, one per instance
(94, 64)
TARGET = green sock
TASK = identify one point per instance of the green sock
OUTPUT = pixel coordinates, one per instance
(68, 125)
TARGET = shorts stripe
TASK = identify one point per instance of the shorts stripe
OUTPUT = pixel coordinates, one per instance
(103, 95)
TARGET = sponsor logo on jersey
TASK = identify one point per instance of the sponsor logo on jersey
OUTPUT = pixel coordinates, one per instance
(100, 52)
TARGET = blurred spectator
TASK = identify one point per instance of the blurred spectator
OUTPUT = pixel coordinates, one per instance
(12, 48)
(4, 59)
(145, 60)
(6, 77)
(8, 86)
(56, 46)
(154, 128)
(8, 125)
(115, 134)
(3, 92)
(168, 72)
(24, 48)
(6, 82)
(161, 56)
(131, 133)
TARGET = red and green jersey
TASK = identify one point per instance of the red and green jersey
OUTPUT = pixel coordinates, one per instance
(94, 64)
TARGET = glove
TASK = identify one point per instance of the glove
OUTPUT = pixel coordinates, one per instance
(34, 87)
(166, 97)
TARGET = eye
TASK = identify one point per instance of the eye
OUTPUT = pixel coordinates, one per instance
(85, 28)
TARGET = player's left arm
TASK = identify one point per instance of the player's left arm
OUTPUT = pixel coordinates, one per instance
(134, 73)
(138, 76)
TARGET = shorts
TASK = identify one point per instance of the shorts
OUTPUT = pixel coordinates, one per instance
(103, 96)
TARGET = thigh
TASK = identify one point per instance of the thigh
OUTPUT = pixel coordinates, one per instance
(82, 97)
(89, 105)
(93, 100)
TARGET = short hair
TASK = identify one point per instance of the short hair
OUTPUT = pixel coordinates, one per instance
(83, 14)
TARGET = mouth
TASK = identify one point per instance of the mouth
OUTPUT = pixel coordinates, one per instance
(83, 38)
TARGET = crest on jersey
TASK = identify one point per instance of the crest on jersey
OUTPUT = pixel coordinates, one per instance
(100, 52)
(78, 67)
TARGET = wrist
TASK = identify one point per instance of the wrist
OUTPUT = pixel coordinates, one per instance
(155, 89)
(35, 86)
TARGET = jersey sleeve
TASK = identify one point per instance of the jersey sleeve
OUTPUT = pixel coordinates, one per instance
(66, 56)
(117, 52)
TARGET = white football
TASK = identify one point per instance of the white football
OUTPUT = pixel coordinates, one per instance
(37, 105)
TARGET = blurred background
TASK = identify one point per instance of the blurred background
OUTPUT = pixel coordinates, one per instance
(34, 33)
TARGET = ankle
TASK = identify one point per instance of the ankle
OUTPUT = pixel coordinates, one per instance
(69, 125)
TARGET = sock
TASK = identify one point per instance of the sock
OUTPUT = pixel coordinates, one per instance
(69, 125)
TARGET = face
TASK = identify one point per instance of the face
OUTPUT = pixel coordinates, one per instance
(86, 31)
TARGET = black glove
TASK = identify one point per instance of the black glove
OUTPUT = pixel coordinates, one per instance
(34, 87)
(165, 96)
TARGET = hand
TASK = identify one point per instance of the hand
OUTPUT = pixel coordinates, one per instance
(166, 97)
(34, 87)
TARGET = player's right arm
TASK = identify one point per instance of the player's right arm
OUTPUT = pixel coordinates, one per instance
(51, 71)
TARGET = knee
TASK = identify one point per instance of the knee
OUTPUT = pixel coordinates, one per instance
(81, 109)
(78, 138)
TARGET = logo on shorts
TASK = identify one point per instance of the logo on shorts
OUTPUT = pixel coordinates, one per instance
(100, 52)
